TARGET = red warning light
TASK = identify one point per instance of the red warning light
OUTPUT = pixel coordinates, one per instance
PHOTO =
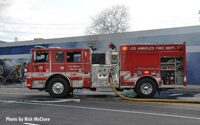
(146, 72)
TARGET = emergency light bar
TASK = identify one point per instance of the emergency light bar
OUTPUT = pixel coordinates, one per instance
(40, 47)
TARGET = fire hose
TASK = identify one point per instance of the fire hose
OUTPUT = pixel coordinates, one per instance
(146, 99)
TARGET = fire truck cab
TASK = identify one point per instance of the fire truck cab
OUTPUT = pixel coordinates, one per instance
(144, 68)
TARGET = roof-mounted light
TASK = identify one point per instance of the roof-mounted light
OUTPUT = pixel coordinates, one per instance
(124, 48)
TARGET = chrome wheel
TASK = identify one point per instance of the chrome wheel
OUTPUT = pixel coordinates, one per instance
(58, 88)
(146, 88)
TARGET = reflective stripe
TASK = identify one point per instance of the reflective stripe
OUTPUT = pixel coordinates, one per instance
(74, 77)
(87, 75)
(158, 79)
(127, 76)
(78, 74)
(77, 83)
(127, 87)
(46, 74)
(39, 74)
(38, 84)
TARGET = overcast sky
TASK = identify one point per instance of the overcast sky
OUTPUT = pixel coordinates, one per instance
(29, 19)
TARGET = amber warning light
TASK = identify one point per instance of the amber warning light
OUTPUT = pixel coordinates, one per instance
(124, 48)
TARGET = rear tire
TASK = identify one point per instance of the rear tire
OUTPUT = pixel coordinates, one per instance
(58, 88)
(146, 88)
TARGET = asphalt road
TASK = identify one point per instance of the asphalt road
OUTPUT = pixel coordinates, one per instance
(20, 106)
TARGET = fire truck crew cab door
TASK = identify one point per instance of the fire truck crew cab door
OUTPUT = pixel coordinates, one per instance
(41, 63)
(58, 62)
(74, 67)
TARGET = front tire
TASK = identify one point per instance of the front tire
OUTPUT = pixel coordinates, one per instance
(58, 88)
(146, 88)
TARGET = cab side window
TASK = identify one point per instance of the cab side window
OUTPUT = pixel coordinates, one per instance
(40, 56)
(73, 56)
(60, 57)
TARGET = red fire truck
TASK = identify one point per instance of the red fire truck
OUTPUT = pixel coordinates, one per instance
(146, 68)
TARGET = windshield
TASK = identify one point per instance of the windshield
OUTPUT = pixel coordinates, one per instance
(30, 57)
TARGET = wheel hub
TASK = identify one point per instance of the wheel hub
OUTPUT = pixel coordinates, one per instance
(146, 88)
(58, 88)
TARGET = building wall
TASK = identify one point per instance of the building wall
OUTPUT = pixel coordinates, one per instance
(190, 35)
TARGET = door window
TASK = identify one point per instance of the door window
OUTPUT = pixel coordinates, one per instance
(40, 56)
(73, 56)
(59, 56)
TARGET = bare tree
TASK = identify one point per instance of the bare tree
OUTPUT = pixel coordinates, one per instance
(92, 39)
(111, 20)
